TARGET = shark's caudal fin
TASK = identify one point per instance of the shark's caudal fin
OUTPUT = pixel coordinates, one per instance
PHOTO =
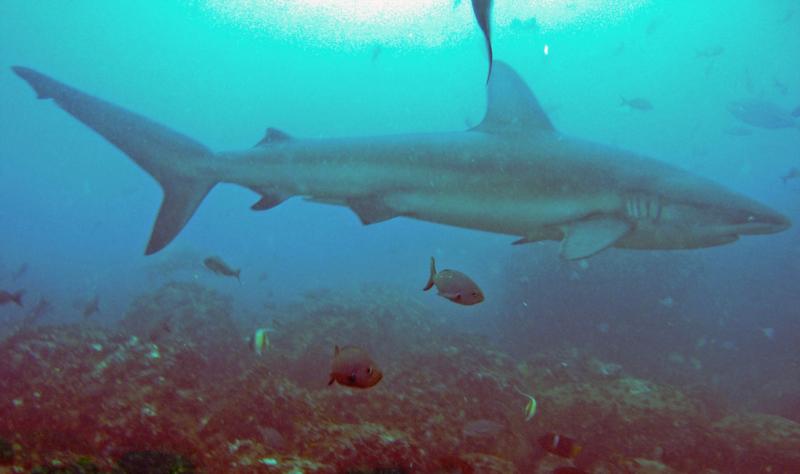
(179, 164)
(483, 13)
(511, 106)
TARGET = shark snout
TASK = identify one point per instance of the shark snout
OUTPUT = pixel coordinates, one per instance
(764, 223)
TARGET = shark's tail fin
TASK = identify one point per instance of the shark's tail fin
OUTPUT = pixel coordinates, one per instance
(179, 164)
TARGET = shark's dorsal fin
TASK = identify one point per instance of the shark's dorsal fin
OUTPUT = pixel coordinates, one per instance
(511, 106)
(273, 135)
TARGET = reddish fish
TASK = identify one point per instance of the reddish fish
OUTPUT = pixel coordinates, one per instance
(7, 297)
(353, 367)
(559, 445)
(454, 285)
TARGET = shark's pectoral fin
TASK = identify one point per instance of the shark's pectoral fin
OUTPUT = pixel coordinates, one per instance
(371, 209)
(585, 238)
(269, 199)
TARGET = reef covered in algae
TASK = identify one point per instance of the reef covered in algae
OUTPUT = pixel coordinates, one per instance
(174, 389)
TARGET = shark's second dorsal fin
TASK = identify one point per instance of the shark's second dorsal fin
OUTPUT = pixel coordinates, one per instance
(511, 106)
(273, 135)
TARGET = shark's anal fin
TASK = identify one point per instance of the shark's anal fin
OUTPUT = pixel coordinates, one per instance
(511, 106)
(584, 238)
(273, 135)
(371, 209)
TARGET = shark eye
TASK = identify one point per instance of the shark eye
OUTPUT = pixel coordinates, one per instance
(751, 218)
(369, 370)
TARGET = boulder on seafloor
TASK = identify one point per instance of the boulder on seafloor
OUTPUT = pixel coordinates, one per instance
(763, 443)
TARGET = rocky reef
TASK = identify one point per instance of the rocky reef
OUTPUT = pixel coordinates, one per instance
(175, 389)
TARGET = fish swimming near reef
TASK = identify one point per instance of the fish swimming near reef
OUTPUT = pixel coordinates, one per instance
(709, 52)
(9, 297)
(560, 445)
(637, 103)
(513, 174)
(454, 285)
(353, 367)
(37, 312)
(483, 14)
(259, 341)
(793, 173)
(763, 114)
(92, 306)
(219, 267)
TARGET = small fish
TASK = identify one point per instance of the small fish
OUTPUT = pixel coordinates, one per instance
(667, 302)
(769, 333)
(218, 266)
(709, 52)
(760, 113)
(637, 103)
(559, 445)
(482, 429)
(793, 173)
(376, 53)
(8, 297)
(530, 407)
(454, 285)
(353, 367)
(483, 12)
(259, 341)
(739, 131)
(21, 271)
(92, 306)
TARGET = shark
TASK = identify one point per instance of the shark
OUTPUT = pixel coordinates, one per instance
(512, 174)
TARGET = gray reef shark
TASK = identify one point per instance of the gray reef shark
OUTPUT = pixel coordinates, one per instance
(511, 174)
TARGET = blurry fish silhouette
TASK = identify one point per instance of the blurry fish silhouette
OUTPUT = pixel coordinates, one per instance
(353, 367)
(483, 13)
(39, 309)
(793, 173)
(796, 112)
(709, 52)
(762, 114)
(92, 306)
(21, 271)
(637, 103)
(259, 341)
(8, 297)
(454, 285)
(219, 267)
(782, 88)
(529, 24)
(482, 428)
(376, 53)
(739, 131)
(769, 333)
(559, 445)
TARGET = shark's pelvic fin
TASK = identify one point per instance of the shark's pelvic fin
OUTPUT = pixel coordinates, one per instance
(511, 106)
(584, 238)
(371, 210)
(268, 200)
(273, 135)
(176, 161)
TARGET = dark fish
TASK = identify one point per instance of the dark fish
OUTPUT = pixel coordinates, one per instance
(376, 53)
(739, 131)
(22, 270)
(483, 13)
(216, 265)
(760, 113)
(637, 103)
(482, 429)
(92, 306)
(709, 52)
(454, 285)
(796, 112)
(7, 297)
(793, 173)
(559, 445)
(568, 470)
(353, 367)
(40, 309)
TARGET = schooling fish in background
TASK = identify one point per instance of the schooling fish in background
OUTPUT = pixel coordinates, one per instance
(454, 285)
(483, 13)
(219, 267)
(637, 103)
(559, 445)
(92, 306)
(762, 114)
(793, 173)
(8, 297)
(353, 367)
